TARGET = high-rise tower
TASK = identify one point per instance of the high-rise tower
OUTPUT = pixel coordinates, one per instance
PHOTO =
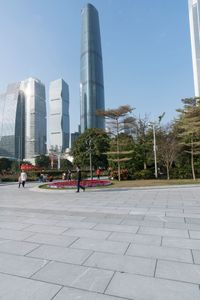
(23, 120)
(91, 76)
(35, 117)
(59, 114)
(194, 17)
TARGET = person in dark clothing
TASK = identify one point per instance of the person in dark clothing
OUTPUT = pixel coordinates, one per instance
(79, 180)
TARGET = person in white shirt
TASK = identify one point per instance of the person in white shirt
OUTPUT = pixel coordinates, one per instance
(22, 179)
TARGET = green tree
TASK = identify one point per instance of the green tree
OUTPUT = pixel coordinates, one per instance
(167, 147)
(118, 120)
(92, 143)
(5, 164)
(188, 125)
(65, 164)
(42, 161)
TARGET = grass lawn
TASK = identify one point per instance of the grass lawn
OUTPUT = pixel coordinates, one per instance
(139, 183)
(152, 182)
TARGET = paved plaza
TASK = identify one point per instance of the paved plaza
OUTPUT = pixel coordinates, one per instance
(138, 244)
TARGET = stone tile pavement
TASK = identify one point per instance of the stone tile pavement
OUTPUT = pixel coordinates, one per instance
(120, 244)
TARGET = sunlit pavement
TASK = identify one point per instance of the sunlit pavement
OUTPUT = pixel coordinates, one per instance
(115, 244)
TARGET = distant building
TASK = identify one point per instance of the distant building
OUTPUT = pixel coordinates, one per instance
(59, 115)
(23, 120)
(194, 17)
(35, 117)
(91, 72)
(12, 123)
(74, 137)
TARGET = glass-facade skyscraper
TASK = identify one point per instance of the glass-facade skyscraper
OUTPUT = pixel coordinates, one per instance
(59, 115)
(91, 71)
(23, 120)
(12, 122)
(194, 17)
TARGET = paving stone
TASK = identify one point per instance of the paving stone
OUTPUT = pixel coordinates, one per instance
(135, 238)
(147, 223)
(196, 255)
(52, 239)
(182, 226)
(75, 224)
(69, 255)
(75, 294)
(151, 251)
(39, 221)
(75, 276)
(137, 287)
(12, 225)
(46, 229)
(109, 220)
(178, 271)
(87, 233)
(181, 243)
(101, 245)
(20, 265)
(164, 232)
(16, 235)
(192, 220)
(194, 234)
(16, 247)
(117, 228)
(16, 288)
(122, 263)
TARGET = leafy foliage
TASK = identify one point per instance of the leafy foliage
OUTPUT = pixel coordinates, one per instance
(94, 141)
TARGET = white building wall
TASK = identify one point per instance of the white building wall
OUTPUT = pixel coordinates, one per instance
(194, 18)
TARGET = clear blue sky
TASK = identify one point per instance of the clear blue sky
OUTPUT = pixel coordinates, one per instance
(145, 44)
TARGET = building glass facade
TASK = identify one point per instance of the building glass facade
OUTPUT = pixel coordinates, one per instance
(35, 117)
(12, 123)
(194, 18)
(23, 120)
(59, 115)
(91, 72)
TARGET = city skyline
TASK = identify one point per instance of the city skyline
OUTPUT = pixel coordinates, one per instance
(147, 59)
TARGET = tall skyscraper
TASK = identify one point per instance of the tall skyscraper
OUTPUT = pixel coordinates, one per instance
(194, 17)
(91, 72)
(23, 120)
(59, 114)
(12, 123)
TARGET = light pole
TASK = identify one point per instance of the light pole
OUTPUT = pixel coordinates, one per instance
(153, 124)
(154, 150)
(89, 144)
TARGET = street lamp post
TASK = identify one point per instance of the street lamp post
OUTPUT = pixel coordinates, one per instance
(153, 124)
(154, 150)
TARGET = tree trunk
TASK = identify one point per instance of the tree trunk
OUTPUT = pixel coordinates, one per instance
(168, 172)
(118, 162)
(192, 160)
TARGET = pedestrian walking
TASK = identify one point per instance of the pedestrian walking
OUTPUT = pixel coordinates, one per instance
(79, 180)
(22, 179)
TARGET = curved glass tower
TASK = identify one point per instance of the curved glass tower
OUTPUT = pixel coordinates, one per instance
(91, 77)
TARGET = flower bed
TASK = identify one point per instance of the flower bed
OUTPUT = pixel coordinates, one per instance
(73, 183)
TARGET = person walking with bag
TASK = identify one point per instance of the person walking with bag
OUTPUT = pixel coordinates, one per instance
(79, 180)
(22, 179)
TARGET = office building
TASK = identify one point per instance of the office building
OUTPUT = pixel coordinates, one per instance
(91, 71)
(12, 123)
(194, 18)
(59, 115)
(23, 120)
